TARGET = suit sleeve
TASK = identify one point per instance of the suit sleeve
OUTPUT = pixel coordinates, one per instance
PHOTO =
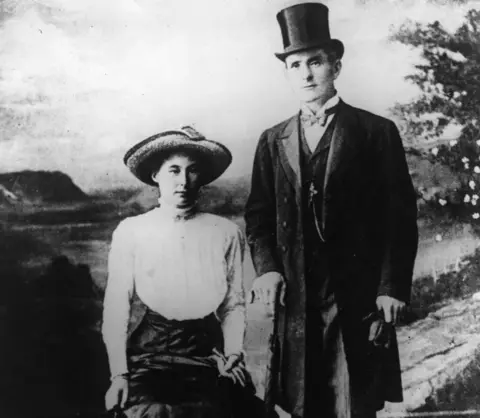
(260, 212)
(401, 232)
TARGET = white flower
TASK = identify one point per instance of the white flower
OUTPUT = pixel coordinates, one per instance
(474, 203)
(438, 237)
(442, 202)
(456, 95)
(435, 151)
(476, 169)
(467, 166)
(464, 93)
(465, 160)
(471, 183)
(478, 142)
(453, 142)
(475, 197)
(475, 215)
(466, 199)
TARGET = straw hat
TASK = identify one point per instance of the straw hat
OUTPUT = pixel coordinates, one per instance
(145, 157)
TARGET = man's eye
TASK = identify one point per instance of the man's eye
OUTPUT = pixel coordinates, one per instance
(315, 63)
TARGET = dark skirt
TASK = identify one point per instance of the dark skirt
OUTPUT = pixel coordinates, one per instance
(173, 373)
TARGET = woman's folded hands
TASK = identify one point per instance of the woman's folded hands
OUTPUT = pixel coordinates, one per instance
(232, 367)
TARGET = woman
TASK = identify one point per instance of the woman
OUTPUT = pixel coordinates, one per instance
(181, 353)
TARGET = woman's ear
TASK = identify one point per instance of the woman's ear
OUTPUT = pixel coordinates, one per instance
(154, 176)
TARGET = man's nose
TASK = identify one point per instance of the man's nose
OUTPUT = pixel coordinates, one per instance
(306, 73)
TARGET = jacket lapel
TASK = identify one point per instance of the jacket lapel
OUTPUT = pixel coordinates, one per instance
(289, 153)
(342, 149)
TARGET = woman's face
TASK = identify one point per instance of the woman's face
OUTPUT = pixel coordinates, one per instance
(178, 180)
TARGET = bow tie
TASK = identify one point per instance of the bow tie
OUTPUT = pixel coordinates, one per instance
(310, 119)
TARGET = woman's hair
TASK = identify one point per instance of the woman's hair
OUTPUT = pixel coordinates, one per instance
(155, 163)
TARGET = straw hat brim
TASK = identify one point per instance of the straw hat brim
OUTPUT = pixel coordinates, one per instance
(145, 157)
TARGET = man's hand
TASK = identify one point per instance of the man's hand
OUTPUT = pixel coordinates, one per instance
(265, 289)
(392, 308)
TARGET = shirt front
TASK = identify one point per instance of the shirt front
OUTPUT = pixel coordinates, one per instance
(313, 133)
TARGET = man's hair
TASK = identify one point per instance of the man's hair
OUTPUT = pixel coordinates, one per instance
(330, 51)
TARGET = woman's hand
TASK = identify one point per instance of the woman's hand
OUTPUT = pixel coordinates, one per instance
(232, 367)
(117, 393)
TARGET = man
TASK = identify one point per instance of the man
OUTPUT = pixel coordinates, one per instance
(331, 221)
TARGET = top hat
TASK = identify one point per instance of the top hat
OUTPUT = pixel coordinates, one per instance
(305, 26)
(147, 156)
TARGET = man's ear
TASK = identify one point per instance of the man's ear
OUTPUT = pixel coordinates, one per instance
(337, 68)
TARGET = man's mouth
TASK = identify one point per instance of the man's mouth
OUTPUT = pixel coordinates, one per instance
(309, 86)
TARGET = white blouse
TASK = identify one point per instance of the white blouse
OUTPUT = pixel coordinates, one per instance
(183, 267)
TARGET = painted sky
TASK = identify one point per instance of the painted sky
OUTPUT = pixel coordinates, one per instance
(83, 80)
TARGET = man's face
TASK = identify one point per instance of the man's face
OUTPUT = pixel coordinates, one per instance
(312, 74)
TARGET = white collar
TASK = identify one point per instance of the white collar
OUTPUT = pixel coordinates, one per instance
(333, 101)
(175, 213)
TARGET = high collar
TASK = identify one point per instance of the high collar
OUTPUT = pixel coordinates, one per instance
(174, 213)
(333, 101)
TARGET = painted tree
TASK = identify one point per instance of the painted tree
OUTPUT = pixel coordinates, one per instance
(449, 82)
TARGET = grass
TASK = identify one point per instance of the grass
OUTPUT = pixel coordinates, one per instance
(436, 256)
(54, 350)
(52, 361)
(429, 294)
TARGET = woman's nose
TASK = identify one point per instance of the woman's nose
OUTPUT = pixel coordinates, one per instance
(183, 178)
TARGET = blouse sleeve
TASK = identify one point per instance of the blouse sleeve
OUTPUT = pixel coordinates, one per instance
(232, 311)
(118, 296)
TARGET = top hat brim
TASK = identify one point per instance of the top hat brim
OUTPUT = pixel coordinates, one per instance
(147, 156)
(335, 43)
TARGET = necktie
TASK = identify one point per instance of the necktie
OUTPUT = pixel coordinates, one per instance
(310, 119)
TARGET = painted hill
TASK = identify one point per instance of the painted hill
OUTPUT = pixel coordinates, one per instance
(228, 196)
(38, 187)
(224, 197)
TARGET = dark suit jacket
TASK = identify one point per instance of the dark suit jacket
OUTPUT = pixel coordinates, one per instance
(369, 221)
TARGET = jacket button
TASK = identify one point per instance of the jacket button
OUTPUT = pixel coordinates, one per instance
(285, 199)
(284, 248)
(284, 224)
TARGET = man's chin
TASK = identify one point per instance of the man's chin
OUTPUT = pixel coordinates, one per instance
(311, 99)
